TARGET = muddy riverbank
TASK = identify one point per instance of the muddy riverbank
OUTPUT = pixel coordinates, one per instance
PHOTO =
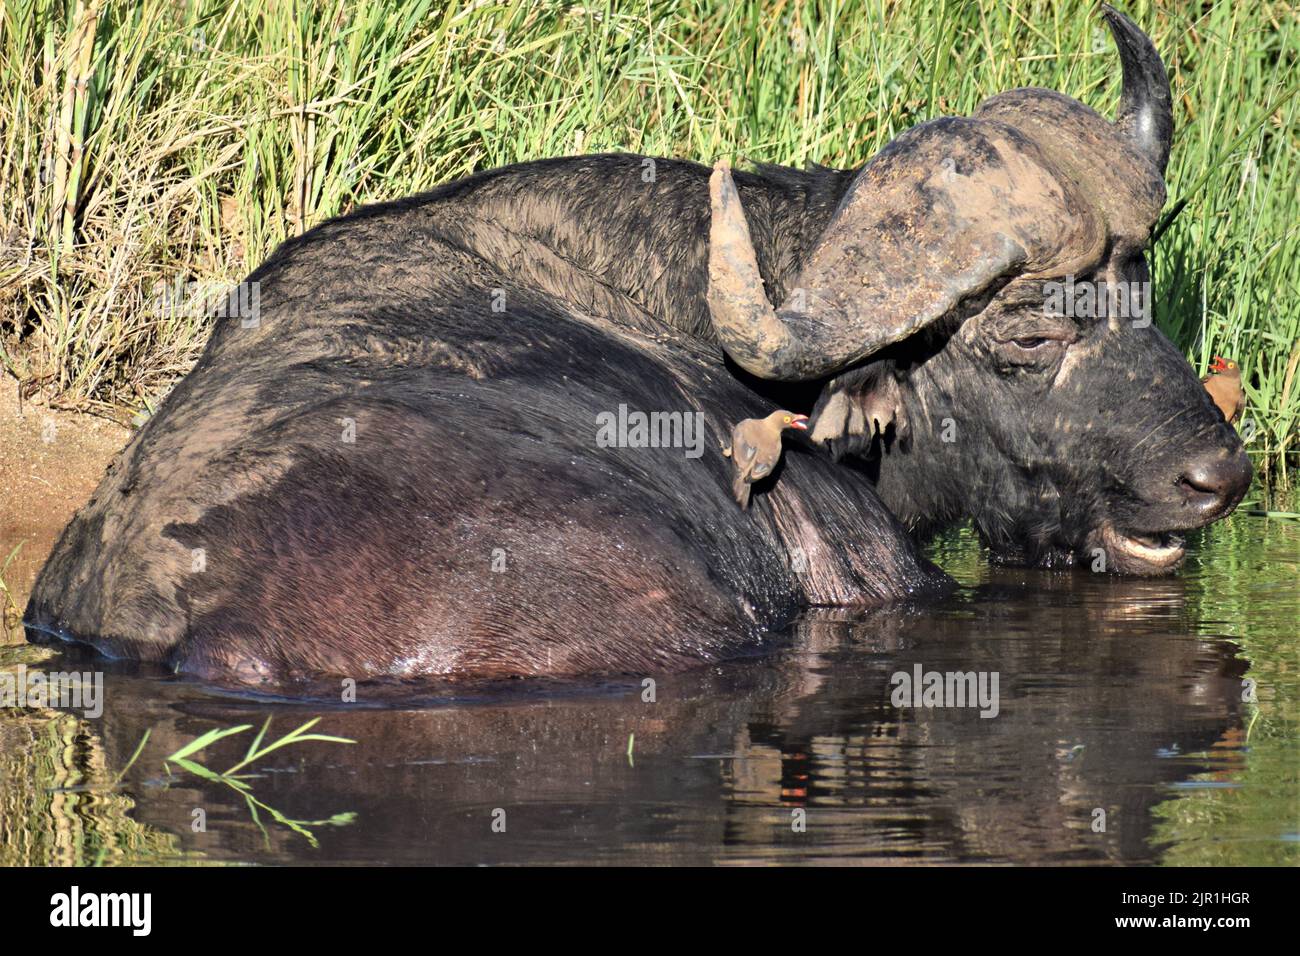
(51, 462)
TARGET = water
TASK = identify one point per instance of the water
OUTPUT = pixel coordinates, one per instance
(1124, 697)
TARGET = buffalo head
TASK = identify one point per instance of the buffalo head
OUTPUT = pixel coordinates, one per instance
(978, 308)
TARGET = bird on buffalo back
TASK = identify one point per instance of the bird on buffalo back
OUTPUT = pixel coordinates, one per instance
(1224, 385)
(755, 449)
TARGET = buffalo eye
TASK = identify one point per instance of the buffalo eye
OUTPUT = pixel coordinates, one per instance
(1038, 348)
(1018, 333)
(1029, 343)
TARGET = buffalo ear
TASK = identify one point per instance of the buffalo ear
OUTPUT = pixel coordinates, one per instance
(854, 414)
(882, 406)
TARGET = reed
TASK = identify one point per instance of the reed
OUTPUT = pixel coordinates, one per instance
(164, 142)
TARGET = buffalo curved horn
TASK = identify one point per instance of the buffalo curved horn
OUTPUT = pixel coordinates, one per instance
(924, 229)
(927, 229)
(1145, 117)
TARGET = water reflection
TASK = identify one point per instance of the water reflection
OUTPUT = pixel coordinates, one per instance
(1120, 697)
(1097, 688)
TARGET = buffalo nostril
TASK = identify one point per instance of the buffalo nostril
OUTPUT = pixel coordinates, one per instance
(1217, 480)
(1201, 481)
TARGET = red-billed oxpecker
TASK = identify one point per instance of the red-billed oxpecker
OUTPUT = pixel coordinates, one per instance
(1224, 386)
(756, 448)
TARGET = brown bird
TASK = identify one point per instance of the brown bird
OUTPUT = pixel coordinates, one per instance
(1224, 386)
(756, 448)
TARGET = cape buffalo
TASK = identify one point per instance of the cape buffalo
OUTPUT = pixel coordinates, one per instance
(477, 432)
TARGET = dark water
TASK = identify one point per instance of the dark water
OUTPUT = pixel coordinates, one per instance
(1126, 697)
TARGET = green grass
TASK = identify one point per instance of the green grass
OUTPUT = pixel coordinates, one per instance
(184, 759)
(172, 142)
